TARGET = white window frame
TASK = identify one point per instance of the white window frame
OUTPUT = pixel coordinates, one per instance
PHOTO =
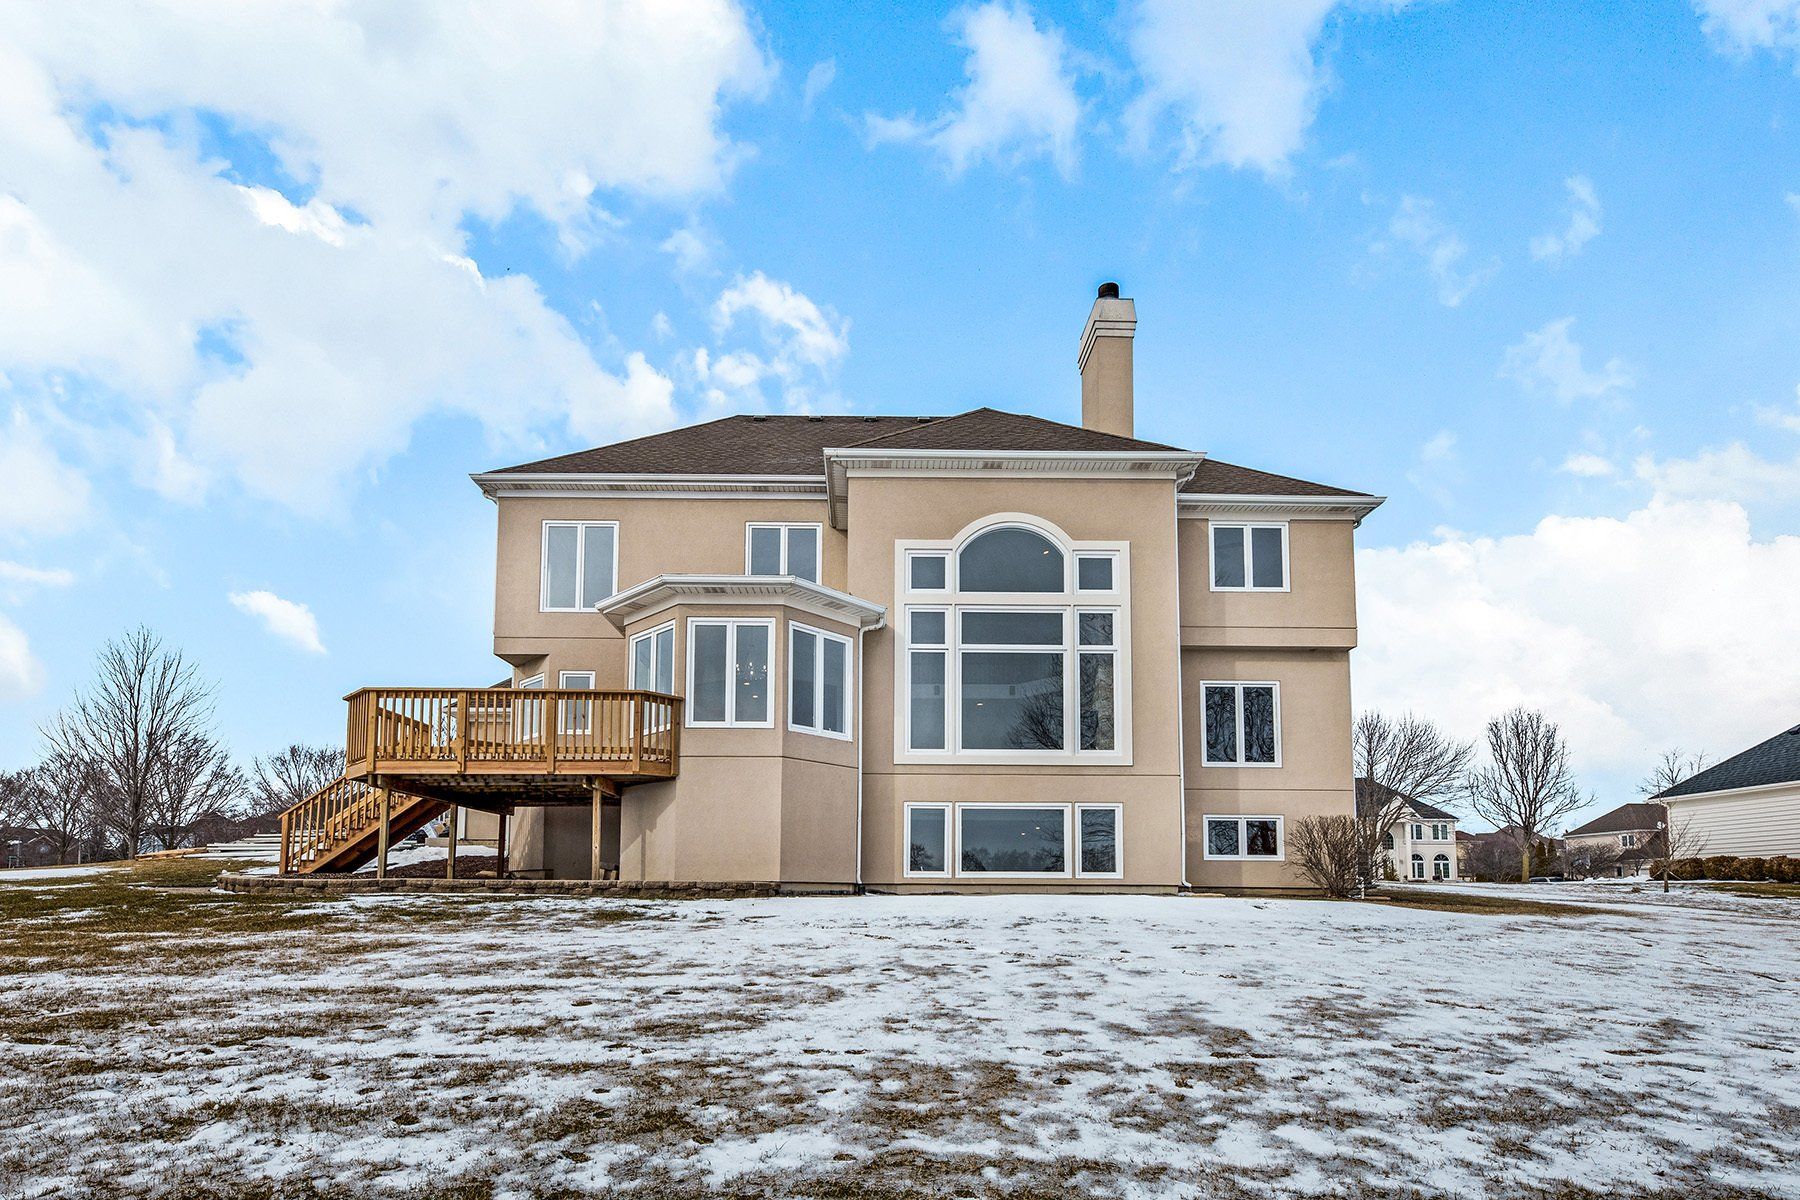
(953, 602)
(1068, 870)
(563, 725)
(1418, 867)
(1240, 685)
(1212, 551)
(1280, 854)
(1075, 576)
(819, 730)
(1628, 841)
(650, 635)
(532, 681)
(1417, 831)
(1449, 868)
(949, 842)
(818, 545)
(1118, 811)
(544, 604)
(1440, 832)
(776, 695)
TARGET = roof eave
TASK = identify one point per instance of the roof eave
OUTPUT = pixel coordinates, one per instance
(665, 591)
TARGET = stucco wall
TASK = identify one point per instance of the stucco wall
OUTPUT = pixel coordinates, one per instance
(1318, 609)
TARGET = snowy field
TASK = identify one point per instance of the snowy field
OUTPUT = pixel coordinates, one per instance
(163, 1042)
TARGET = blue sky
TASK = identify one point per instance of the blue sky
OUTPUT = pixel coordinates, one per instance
(275, 284)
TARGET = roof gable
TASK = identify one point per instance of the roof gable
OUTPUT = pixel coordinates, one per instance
(1626, 818)
(1762, 765)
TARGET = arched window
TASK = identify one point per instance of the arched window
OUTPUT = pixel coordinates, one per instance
(1011, 559)
(1440, 867)
(1387, 841)
(1418, 866)
(1013, 642)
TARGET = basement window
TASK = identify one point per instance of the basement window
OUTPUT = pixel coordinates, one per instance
(1246, 839)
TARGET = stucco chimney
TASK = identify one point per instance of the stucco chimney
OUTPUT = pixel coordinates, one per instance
(1105, 363)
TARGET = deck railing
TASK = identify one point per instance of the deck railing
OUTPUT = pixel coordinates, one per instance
(553, 730)
(324, 819)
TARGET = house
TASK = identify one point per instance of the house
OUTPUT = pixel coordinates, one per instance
(1421, 841)
(1618, 843)
(978, 652)
(1748, 805)
(1495, 856)
(23, 846)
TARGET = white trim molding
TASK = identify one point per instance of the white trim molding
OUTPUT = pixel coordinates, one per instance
(666, 591)
(589, 485)
(1203, 506)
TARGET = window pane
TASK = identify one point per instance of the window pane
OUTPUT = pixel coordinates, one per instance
(929, 572)
(1259, 724)
(596, 564)
(1221, 725)
(1012, 701)
(559, 565)
(1259, 839)
(926, 835)
(1010, 560)
(1265, 557)
(833, 704)
(928, 629)
(803, 553)
(1096, 701)
(665, 661)
(765, 550)
(643, 663)
(1094, 574)
(928, 700)
(1099, 841)
(1013, 840)
(802, 677)
(708, 653)
(1228, 556)
(1096, 629)
(1013, 628)
(1222, 837)
(752, 673)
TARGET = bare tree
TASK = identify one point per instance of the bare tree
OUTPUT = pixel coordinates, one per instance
(145, 699)
(195, 782)
(1398, 759)
(1328, 851)
(282, 780)
(61, 800)
(1673, 768)
(1676, 840)
(1587, 859)
(1527, 786)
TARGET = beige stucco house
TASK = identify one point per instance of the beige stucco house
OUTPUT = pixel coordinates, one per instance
(978, 652)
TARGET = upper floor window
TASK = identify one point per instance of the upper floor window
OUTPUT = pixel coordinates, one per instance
(1418, 832)
(1249, 558)
(580, 565)
(1242, 725)
(772, 549)
(818, 682)
(1440, 833)
(1628, 841)
(728, 671)
(1006, 654)
(653, 660)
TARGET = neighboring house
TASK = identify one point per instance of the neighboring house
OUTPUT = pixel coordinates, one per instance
(985, 651)
(1623, 841)
(21, 846)
(1495, 855)
(1421, 843)
(1748, 805)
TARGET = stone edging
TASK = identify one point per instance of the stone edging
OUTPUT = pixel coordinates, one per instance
(343, 885)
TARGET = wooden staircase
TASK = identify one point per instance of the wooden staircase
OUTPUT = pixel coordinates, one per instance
(338, 827)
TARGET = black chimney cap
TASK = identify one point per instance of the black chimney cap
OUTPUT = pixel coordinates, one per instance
(1109, 291)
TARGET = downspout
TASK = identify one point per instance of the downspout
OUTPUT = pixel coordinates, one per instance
(1180, 700)
(860, 744)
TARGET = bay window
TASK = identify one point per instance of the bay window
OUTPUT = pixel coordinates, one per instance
(776, 549)
(728, 672)
(1241, 724)
(653, 660)
(818, 682)
(580, 565)
(1249, 558)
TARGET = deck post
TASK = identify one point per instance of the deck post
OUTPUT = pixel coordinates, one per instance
(594, 866)
(500, 844)
(450, 862)
(382, 836)
(286, 860)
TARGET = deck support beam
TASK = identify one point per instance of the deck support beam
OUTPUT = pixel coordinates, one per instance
(500, 844)
(594, 867)
(383, 834)
(450, 860)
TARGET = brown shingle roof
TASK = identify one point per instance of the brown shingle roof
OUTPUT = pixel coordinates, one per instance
(795, 445)
(1626, 818)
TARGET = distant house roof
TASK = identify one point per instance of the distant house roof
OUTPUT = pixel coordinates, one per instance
(784, 445)
(1371, 794)
(1627, 818)
(1774, 761)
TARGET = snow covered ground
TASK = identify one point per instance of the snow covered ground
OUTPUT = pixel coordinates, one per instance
(1012, 1046)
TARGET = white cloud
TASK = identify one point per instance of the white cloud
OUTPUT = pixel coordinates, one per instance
(21, 674)
(293, 338)
(1588, 466)
(1438, 468)
(1734, 473)
(1745, 25)
(822, 76)
(1548, 359)
(1019, 102)
(1241, 82)
(18, 575)
(1417, 226)
(1583, 225)
(691, 247)
(39, 493)
(288, 620)
(1782, 418)
(802, 343)
(1654, 630)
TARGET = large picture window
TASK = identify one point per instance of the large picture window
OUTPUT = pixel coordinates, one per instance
(1249, 558)
(1002, 659)
(1013, 841)
(580, 564)
(1241, 724)
(771, 549)
(1246, 838)
(818, 682)
(728, 672)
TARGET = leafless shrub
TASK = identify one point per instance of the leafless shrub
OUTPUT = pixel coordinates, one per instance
(1328, 851)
